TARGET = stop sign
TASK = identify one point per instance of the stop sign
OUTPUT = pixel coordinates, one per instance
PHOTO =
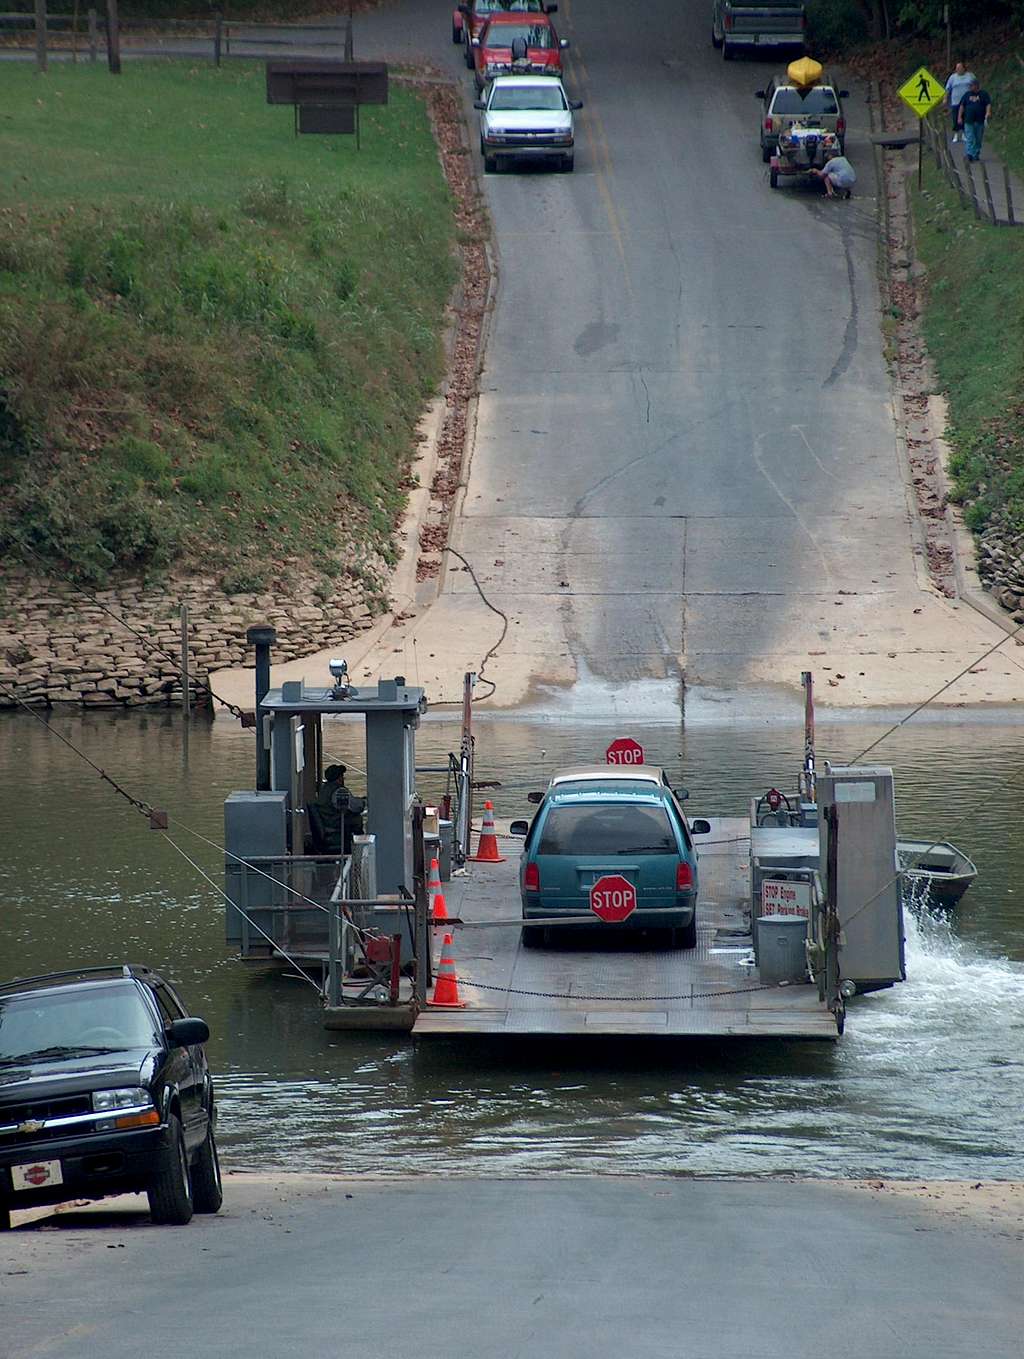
(624, 750)
(613, 898)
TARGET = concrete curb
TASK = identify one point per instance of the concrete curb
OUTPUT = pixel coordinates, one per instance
(876, 111)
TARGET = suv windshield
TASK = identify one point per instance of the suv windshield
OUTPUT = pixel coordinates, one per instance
(820, 100)
(509, 6)
(516, 98)
(534, 35)
(57, 1023)
(607, 828)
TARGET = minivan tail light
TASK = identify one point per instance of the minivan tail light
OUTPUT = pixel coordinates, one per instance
(684, 876)
(531, 878)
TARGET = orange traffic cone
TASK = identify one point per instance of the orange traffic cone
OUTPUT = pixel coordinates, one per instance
(446, 984)
(487, 849)
(438, 909)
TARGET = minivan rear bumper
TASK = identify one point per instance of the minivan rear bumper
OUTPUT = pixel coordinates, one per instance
(675, 915)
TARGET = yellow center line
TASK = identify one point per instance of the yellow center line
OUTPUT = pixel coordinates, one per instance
(601, 155)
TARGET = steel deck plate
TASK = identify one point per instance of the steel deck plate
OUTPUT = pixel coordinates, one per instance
(602, 981)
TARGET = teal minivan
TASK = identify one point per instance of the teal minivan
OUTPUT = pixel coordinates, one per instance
(596, 822)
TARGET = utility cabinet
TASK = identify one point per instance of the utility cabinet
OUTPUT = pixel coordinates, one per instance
(866, 883)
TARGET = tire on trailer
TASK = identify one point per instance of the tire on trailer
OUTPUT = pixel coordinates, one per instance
(773, 178)
(207, 1189)
(170, 1190)
(766, 154)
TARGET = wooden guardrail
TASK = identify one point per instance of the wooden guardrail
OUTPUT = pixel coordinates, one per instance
(991, 195)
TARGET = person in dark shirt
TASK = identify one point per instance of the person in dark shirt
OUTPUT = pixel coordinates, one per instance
(975, 111)
(341, 811)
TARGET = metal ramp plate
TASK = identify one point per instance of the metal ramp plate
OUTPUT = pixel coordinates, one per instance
(591, 984)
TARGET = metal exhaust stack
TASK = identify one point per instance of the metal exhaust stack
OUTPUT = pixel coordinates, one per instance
(262, 637)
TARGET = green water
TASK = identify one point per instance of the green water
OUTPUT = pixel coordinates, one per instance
(927, 1080)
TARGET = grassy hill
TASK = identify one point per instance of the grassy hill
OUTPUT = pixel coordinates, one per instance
(215, 337)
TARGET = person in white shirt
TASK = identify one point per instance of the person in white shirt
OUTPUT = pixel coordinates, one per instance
(959, 82)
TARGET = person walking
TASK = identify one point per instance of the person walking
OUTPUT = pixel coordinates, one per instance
(957, 85)
(975, 111)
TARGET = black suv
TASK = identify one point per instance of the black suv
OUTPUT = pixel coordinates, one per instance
(104, 1089)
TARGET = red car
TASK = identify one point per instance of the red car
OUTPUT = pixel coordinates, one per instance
(511, 44)
(468, 19)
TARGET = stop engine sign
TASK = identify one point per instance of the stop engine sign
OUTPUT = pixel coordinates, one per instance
(624, 750)
(613, 898)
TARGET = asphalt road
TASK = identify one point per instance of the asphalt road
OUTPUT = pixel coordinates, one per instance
(492, 1269)
(685, 467)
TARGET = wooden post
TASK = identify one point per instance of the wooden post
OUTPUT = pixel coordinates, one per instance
(93, 42)
(348, 35)
(186, 697)
(41, 58)
(969, 169)
(74, 34)
(1009, 197)
(218, 35)
(988, 193)
(113, 39)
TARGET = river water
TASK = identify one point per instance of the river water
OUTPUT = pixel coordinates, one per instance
(927, 1081)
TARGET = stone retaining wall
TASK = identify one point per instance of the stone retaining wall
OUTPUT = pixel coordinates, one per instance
(1001, 567)
(56, 646)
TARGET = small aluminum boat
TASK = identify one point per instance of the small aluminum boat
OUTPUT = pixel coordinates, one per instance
(947, 870)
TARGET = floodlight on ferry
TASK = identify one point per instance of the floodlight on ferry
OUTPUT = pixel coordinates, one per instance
(339, 669)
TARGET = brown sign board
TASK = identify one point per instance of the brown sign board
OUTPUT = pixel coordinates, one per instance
(327, 117)
(311, 81)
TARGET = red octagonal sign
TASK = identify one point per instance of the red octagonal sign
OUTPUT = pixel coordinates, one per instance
(613, 898)
(624, 750)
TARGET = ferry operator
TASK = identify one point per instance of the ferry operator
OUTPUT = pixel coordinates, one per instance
(341, 810)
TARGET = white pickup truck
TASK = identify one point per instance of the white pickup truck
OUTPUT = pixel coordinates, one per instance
(750, 27)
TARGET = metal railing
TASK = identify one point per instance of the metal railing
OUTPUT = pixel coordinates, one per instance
(283, 902)
(249, 39)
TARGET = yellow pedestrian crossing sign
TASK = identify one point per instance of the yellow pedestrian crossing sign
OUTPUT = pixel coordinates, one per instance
(921, 92)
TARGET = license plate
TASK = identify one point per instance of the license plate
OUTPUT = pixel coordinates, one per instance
(37, 1175)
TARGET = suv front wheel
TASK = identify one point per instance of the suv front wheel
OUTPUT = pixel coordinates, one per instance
(207, 1190)
(170, 1193)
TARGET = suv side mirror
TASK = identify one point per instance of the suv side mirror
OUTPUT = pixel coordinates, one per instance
(760, 94)
(576, 105)
(534, 797)
(519, 828)
(700, 827)
(681, 793)
(186, 1033)
(563, 42)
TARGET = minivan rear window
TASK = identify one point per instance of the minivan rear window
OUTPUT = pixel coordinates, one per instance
(606, 829)
(820, 100)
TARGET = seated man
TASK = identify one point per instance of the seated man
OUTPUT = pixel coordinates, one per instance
(341, 811)
(838, 176)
